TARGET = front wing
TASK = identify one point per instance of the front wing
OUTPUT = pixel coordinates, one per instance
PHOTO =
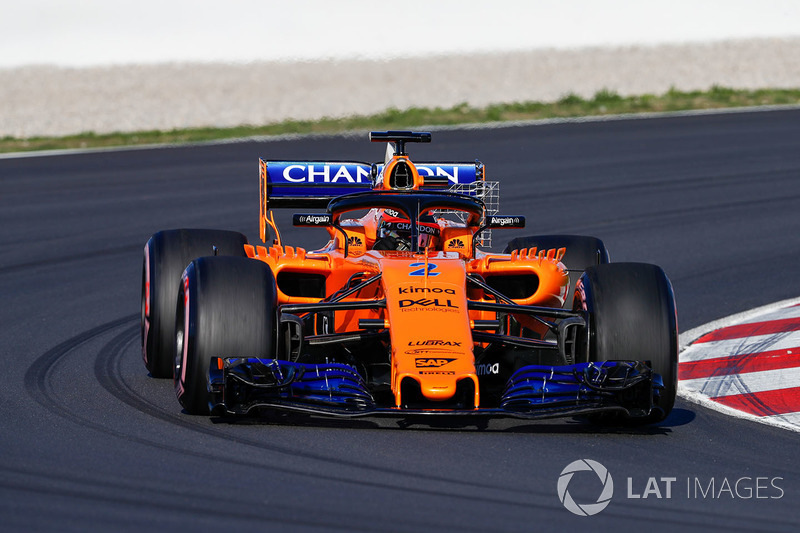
(239, 385)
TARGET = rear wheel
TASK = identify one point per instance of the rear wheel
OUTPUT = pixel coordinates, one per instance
(226, 308)
(166, 254)
(632, 317)
(581, 253)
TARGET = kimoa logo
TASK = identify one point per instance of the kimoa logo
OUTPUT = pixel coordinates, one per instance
(434, 290)
(456, 243)
(587, 509)
(485, 369)
(353, 240)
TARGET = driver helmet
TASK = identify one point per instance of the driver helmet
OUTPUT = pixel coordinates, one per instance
(394, 232)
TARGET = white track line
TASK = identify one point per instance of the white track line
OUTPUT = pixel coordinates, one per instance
(789, 340)
(732, 384)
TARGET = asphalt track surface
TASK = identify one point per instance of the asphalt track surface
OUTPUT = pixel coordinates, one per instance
(88, 441)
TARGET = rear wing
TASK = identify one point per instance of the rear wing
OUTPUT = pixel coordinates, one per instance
(312, 184)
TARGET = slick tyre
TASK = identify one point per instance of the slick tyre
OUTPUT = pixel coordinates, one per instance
(226, 308)
(632, 317)
(166, 254)
(581, 253)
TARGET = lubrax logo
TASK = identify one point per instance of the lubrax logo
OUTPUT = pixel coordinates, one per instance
(434, 343)
(434, 304)
(417, 290)
(424, 362)
(354, 241)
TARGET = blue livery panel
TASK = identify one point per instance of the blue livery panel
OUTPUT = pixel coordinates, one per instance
(314, 183)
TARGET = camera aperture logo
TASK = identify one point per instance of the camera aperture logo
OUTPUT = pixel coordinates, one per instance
(659, 487)
(586, 509)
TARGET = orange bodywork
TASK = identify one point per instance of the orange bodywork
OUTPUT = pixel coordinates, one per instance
(426, 293)
(426, 300)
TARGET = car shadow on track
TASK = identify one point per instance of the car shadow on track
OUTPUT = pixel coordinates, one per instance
(577, 425)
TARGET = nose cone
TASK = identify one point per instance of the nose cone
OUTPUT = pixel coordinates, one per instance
(438, 392)
(456, 391)
(430, 331)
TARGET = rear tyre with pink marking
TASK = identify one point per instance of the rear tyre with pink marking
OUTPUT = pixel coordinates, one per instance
(166, 255)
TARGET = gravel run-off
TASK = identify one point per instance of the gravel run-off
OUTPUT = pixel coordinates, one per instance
(49, 100)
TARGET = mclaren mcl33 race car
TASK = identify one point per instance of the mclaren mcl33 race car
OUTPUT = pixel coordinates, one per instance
(404, 311)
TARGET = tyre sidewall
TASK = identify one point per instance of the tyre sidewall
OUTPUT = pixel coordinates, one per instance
(226, 308)
(166, 255)
(632, 317)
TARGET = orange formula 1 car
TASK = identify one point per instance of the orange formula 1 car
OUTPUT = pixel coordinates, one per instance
(402, 313)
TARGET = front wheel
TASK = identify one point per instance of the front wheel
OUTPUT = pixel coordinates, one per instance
(632, 317)
(226, 308)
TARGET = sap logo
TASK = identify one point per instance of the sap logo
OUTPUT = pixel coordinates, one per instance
(434, 343)
(353, 240)
(457, 244)
(432, 363)
(485, 369)
(325, 173)
(503, 221)
(434, 290)
(427, 303)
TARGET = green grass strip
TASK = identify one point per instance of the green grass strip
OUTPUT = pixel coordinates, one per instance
(604, 102)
